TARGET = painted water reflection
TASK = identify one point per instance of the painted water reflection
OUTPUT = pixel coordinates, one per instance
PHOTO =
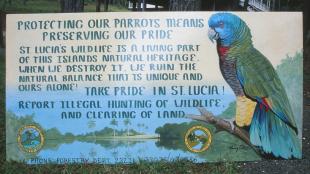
(110, 152)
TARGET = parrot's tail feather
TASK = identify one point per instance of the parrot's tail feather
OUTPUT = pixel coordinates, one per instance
(274, 136)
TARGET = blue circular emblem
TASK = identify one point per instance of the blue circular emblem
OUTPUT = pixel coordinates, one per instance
(30, 139)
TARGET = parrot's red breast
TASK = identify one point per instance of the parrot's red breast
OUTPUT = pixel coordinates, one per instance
(222, 50)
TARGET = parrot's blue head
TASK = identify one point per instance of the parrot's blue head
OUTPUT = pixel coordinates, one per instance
(227, 28)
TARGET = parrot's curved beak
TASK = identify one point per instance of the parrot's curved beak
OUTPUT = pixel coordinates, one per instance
(213, 35)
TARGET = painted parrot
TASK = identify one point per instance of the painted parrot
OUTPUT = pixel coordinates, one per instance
(262, 103)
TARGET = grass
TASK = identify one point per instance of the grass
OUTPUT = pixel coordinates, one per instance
(179, 166)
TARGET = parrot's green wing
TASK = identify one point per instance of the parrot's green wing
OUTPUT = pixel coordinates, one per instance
(261, 82)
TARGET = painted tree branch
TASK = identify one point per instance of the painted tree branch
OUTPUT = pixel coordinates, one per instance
(222, 124)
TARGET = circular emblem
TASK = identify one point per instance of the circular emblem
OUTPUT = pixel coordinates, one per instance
(198, 139)
(30, 139)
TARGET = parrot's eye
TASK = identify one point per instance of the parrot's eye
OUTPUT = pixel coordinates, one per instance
(221, 24)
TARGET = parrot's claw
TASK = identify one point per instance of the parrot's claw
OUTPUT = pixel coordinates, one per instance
(231, 122)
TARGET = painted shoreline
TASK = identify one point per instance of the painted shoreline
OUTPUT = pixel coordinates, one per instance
(137, 137)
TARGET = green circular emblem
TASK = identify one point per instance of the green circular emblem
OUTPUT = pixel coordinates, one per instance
(30, 139)
(198, 139)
